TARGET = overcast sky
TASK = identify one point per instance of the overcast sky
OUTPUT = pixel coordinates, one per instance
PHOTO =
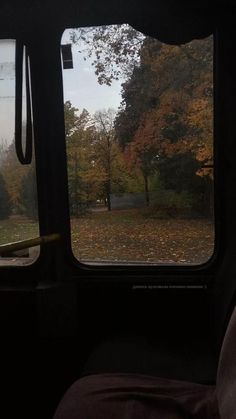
(7, 90)
(80, 87)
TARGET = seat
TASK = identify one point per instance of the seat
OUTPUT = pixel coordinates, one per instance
(137, 396)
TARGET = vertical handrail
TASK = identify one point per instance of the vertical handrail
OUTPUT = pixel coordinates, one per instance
(29, 127)
(24, 158)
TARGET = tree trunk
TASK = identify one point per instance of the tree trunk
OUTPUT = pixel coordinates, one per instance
(76, 198)
(108, 193)
(108, 186)
(146, 187)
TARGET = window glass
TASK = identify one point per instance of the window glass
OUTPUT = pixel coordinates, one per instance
(139, 138)
(18, 192)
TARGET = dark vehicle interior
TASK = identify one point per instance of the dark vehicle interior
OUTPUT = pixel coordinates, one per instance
(62, 320)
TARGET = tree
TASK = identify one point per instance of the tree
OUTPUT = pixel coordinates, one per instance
(96, 165)
(13, 173)
(168, 100)
(5, 204)
(167, 108)
(77, 141)
(114, 49)
(106, 152)
(28, 202)
(143, 153)
(3, 150)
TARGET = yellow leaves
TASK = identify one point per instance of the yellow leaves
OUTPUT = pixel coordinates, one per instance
(205, 171)
(200, 119)
(200, 113)
(204, 153)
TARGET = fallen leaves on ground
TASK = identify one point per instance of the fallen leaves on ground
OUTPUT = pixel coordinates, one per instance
(127, 236)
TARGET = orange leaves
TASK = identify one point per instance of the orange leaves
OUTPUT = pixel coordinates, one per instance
(200, 119)
(175, 84)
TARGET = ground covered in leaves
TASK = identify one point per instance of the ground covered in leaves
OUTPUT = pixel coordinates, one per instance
(130, 236)
(127, 236)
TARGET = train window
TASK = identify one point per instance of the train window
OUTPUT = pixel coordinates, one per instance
(139, 138)
(18, 196)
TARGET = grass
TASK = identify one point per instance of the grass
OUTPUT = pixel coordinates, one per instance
(17, 228)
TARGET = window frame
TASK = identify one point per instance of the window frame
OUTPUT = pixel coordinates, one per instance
(173, 273)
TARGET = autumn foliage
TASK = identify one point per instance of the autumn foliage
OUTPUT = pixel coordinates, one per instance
(162, 136)
(169, 99)
(159, 143)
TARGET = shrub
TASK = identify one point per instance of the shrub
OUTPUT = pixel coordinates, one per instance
(170, 204)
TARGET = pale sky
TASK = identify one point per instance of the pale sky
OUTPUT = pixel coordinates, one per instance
(7, 90)
(80, 87)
